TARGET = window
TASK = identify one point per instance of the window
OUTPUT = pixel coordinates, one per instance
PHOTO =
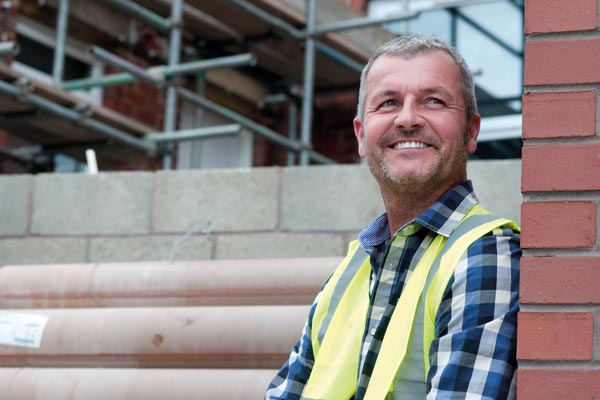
(36, 57)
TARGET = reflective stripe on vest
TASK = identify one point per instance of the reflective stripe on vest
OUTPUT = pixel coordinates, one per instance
(340, 316)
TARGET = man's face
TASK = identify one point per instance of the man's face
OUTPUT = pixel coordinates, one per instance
(414, 131)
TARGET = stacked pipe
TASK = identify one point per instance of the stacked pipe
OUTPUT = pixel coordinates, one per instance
(207, 329)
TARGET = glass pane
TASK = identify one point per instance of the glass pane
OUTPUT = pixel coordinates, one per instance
(40, 57)
(502, 19)
(496, 70)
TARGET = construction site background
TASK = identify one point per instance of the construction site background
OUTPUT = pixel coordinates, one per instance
(178, 271)
(289, 102)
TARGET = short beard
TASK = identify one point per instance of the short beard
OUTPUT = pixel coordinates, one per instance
(403, 184)
(416, 185)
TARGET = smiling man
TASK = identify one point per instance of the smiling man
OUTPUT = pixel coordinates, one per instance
(425, 303)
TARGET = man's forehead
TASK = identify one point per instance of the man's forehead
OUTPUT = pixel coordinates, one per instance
(425, 60)
(432, 69)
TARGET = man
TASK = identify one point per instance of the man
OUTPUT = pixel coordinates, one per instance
(425, 304)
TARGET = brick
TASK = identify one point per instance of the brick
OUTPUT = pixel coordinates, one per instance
(543, 16)
(560, 280)
(230, 200)
(558, 384)
(150, 248)
(567, 114)
(42, 251)
(280, 245)
(340, 198)
(561, 167)
(566, 224)
(556, 62)
(78, 204)
(14, 207)
(555, 336)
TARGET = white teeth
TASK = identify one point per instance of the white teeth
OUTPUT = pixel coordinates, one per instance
(409, 145)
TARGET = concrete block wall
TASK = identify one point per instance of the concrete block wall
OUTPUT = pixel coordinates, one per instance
(205, 214)
(558, 334)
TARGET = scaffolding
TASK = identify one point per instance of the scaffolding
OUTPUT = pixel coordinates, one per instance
(313, 38)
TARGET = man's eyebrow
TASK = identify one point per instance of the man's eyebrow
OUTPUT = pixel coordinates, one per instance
(438, 89)
(426, 91)
(384, 93)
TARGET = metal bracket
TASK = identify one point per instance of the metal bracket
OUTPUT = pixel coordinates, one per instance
(25, 87)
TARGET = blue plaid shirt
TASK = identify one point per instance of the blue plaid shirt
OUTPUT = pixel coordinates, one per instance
(474, 353)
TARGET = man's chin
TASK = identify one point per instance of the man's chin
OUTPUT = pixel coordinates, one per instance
(407, 180)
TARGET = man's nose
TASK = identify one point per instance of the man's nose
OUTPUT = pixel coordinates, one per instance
(409, 117)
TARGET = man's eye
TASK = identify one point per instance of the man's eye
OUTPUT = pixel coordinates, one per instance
(433, 100)
(388, 103)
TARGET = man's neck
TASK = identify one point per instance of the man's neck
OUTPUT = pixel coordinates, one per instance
(402, 206)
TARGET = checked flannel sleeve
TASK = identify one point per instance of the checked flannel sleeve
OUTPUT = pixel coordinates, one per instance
(289, 382)
(474, 353)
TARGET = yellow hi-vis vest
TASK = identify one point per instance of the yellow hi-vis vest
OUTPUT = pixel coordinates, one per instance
(338, 323)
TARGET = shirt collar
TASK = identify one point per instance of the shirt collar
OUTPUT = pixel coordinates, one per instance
(442, 217)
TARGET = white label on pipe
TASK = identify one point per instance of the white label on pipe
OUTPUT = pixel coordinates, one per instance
(22, 329)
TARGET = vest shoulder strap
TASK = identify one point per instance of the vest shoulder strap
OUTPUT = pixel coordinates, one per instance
(476, 224)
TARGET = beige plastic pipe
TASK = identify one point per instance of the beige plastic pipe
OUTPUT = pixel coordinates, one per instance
(132, 384)
(197, 283)
(187, 337)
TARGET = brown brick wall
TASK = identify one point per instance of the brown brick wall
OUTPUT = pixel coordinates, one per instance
(558, 337)
(140, 100)
(8, 33)
(8, 18)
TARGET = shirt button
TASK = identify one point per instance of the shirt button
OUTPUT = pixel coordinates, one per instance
(373, 331)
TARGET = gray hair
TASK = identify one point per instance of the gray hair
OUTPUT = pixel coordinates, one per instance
(413, 45)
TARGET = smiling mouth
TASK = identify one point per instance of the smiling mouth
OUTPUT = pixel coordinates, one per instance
(409, 145)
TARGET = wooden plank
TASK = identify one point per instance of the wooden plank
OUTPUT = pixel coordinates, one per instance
(192, 22)
(233, 17)
(89, 21)
(282, 59)
(66, 99)
(9, 106)
(240, 84)
(357, 43)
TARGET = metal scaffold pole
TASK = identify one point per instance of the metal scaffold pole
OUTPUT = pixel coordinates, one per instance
(309, 79)
(196, 133)
(61, 40)
(155, 73)
(292, 130)
(8, 48)
(171, 96)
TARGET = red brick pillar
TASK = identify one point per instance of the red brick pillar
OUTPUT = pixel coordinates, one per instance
(558, 348)
(8, 33)
(8, 17)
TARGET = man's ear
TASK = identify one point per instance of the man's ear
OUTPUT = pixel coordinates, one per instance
(473, 133)
(360, 136)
